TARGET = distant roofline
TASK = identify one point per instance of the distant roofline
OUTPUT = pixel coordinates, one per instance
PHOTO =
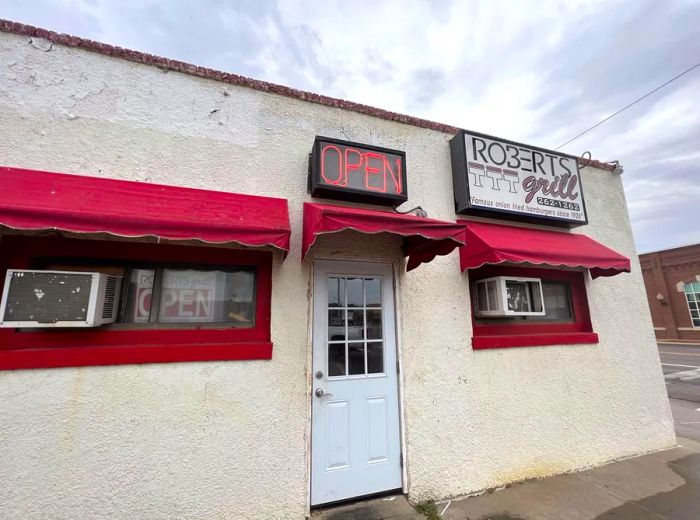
(234, 79)
(668, 249)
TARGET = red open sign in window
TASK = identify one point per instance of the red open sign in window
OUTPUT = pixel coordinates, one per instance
(350, 171)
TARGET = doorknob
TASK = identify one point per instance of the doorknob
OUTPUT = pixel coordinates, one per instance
(320, 393)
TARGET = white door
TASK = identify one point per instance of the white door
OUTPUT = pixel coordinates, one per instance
(355, 437)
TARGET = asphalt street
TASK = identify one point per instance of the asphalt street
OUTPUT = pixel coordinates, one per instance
(681, 366)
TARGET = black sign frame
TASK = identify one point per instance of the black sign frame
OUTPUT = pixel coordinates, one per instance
(318, 188)
(460, 182)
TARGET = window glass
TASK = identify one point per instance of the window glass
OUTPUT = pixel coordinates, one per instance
(356, 358)
(375, 357)
(557, 301)
(354, 292)
(356, 324)
(336, 359)
(355, 331)
(492, 294)
(139, 295)
(191, 296)
(528, 296)
(482, 302)
(373, 292)
(336, 292)
(692, 295)
(336, 324)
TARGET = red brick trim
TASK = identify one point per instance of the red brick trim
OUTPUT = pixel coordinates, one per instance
(234, 79)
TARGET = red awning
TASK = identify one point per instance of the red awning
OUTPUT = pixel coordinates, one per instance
(424, 238)
(494, 244)
(35, 200)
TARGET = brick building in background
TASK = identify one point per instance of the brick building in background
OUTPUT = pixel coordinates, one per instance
(672, 280)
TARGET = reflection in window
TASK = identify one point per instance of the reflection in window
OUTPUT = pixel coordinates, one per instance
(190, 296)
(692, 298)
(355, 326)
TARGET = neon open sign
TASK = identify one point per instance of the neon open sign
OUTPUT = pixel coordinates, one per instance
(357, 172)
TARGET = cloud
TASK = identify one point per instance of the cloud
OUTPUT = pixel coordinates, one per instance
(538, 72)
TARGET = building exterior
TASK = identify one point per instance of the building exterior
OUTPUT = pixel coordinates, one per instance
(672, 280)
(275, 350)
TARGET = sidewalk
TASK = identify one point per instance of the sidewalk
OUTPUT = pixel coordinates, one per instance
(663, 485)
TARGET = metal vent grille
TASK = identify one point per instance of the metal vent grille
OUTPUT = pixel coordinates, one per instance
(110, 297)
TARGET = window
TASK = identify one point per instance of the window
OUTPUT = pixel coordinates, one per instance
(518, 306)
(509, 296)
(178, 303)
(355, 326)
(692, 298)
(189, 296)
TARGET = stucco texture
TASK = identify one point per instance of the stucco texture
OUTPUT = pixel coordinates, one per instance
(229, 439)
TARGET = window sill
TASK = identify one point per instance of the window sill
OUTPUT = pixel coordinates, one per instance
(534, 340)
(28, 358)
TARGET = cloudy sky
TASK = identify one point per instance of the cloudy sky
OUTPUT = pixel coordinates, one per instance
(538, 72)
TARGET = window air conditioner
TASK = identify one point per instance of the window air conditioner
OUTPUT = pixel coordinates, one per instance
(59, 299)
(505, 296)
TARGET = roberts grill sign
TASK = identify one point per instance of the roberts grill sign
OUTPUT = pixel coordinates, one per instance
(498, 178)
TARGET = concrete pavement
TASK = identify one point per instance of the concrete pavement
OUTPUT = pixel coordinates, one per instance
(658, 486)
(681, 366)
(663, 485)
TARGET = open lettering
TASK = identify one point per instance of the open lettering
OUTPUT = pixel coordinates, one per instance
(361, 169)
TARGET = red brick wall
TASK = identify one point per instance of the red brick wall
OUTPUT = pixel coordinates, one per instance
(662, 272)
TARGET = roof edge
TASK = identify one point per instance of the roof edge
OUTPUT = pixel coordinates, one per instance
(68, 40)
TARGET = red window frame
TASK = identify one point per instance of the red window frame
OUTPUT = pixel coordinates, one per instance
(534, 333)
(48, 348)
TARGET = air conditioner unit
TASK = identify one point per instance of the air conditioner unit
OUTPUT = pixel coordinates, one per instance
(59, 299)
(504, 296)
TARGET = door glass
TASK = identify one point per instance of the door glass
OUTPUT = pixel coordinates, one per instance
(336, 359)
(336, 324)
(373, 292)
(354, 292)
(374, 323)
(355, 326)
(356, 358)
(336, 292)
(375, 357)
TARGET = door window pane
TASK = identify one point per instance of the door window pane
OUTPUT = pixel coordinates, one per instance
(373, 292)
(374, 324)
(336, 324)
(354, 292)
(356, 358)
(191, 296)
(336, 292)
(375, 357)
(356, 324)
(336, 359)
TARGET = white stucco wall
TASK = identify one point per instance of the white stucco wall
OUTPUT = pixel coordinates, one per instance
(228, 439)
